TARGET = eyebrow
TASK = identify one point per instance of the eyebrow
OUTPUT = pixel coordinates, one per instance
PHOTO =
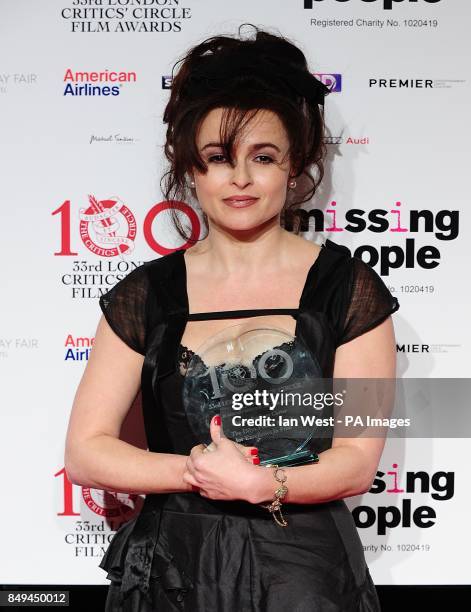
(254, 147)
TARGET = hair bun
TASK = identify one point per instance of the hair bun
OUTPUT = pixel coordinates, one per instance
(266, 63)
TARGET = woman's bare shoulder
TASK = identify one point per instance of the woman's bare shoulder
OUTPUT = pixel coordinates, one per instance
(302, 249)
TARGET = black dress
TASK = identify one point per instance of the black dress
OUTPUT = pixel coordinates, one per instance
(187, 552)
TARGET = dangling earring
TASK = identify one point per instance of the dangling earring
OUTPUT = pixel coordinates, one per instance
(292, 184)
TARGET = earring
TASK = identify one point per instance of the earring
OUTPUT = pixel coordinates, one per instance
(192, 183)
(292, 183)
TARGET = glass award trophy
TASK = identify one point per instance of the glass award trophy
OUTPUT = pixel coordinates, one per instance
(266, 386)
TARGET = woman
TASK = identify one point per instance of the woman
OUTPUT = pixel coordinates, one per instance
(244, 127)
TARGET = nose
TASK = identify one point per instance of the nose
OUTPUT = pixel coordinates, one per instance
(240, 175)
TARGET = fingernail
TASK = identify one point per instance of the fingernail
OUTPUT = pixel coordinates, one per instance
(256, 460)
(254, 451)
(217, 420)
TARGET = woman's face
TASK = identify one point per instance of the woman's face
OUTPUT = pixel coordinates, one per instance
(256, 173)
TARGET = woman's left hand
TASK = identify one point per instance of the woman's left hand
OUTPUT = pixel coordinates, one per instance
(223, 473)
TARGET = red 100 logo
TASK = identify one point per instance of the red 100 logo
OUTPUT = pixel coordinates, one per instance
(110, 505)
(108, 228)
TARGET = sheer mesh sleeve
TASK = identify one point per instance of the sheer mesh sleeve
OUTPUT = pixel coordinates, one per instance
(124, 307)
(370, 302)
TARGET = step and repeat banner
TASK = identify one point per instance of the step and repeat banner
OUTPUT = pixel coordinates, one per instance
(83, 85)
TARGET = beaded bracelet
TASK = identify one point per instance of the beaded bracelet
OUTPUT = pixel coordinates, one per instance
(280, 493)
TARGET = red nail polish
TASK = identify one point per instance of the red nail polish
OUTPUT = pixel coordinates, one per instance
(254, 451)
(256, 460)
(217, 420)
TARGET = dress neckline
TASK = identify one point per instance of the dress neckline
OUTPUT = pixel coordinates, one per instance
(224, 314)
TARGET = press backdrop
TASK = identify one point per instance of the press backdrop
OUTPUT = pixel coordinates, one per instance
(81, 160)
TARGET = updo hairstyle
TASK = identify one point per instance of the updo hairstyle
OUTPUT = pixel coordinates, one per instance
(244, 76)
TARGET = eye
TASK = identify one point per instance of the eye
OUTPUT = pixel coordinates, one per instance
(216, 159)
(266, 159)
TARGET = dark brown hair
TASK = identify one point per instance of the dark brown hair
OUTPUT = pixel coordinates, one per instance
(243, 76)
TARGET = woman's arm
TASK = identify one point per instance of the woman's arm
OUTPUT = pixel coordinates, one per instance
(349, 467)
(94, 455)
